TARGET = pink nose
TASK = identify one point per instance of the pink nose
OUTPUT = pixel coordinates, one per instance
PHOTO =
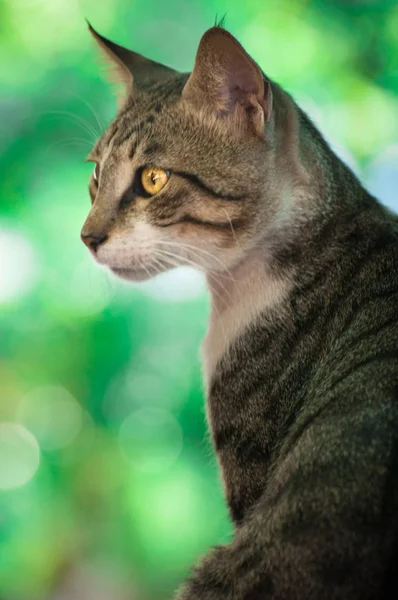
(93, 240)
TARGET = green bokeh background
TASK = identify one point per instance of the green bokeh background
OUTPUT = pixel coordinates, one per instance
(108, 484)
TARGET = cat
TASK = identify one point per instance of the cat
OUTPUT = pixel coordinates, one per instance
(220, 169)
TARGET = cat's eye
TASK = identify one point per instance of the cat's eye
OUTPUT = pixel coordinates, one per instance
(96, 173)
(153, 179)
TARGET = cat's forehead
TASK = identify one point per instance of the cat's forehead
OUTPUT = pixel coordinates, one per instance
(146, 111)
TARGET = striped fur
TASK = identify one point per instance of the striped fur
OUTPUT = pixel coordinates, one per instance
(301, 355)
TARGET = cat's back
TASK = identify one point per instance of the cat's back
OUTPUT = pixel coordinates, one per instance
(362, 354)
(357, 365)
(336, 465)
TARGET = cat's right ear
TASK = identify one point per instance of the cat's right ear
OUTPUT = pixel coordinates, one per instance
(130, 69)
(227, 82)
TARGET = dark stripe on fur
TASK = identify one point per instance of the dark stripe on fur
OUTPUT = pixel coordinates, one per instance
(199, 183)
(235, 224)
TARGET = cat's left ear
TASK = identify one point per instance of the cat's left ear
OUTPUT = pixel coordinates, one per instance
(132, 70)
(226, 80)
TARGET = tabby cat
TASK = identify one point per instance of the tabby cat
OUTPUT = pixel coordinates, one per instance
(220, 169)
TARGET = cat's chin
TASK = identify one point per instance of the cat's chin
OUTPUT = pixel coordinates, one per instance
(132, 274)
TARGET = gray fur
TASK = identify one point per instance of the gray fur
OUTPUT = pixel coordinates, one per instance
(302, 265)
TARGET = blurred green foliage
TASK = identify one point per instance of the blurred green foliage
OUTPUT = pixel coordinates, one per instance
(108, 483)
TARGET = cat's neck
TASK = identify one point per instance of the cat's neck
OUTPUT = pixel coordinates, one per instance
(237, 298)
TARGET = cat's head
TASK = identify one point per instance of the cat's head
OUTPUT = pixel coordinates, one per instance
(182, 174)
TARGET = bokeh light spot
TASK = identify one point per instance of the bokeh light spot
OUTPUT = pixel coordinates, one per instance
(17, 265)
(382, 177)
(151, 439)
(19, 456)
(178, 285)
(90, 289)
(53, 415)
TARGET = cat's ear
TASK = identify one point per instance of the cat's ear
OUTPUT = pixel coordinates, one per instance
(228, 81)
(128, 68)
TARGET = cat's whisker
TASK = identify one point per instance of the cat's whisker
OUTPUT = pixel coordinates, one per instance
(75, 119)
(228, 274)
(161, 268)
(65, 144)
(169, 257)
(152, 264)
(173, 259)
(204, 252)
(101, 125)
(232, 229)
(235, 238)
(78, 119)
(210, 271)
(151, 269)
(145, 268)
(178, 260)
(71, 141)
(166, 262)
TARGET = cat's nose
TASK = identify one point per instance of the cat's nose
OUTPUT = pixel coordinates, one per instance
(93, 240)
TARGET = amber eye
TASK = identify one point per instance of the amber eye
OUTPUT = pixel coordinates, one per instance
(96, 173)
(153, 179)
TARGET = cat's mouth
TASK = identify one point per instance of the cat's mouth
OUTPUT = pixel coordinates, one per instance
(138, 274)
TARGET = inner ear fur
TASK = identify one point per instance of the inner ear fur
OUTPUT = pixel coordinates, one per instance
(130, 69)
(225, 78)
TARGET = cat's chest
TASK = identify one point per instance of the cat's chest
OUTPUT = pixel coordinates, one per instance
(230, 321)
(242, 440)
(245, 423)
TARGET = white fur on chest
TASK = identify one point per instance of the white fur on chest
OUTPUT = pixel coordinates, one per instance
(235, 304)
